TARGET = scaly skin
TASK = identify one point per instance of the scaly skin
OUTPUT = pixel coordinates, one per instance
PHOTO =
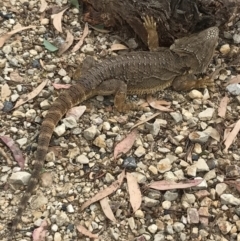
(134, 73)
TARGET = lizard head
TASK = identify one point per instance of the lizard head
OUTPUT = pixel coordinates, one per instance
(199, 46)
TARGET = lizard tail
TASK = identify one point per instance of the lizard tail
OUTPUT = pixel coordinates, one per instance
(71, 97)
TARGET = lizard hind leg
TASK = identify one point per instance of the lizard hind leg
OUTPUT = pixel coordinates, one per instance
(151, 28)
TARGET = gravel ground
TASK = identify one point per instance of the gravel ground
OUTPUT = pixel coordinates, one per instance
(186, 144)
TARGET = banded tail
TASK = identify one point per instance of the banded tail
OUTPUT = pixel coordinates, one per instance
(71, 97)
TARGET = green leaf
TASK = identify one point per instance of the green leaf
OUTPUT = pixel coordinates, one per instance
(49, 46)
(75, 3)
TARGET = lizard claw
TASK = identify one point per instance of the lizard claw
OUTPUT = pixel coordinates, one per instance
(149, 23)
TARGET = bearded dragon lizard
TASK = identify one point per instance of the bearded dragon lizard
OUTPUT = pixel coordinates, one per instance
(134, 73)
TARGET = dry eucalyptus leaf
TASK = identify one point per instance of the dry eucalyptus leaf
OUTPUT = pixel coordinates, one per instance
(8, 35)
(106, 192)
(126, 144)
(43, 6)
(80, 42)
(222, 109)
(134, 192)
(57, 20)
(31, 95)
(68, 42)
(107, 209)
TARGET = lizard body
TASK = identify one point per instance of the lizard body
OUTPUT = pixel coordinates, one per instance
(134, 73)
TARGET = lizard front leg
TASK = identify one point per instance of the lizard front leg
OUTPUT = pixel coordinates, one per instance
(189, 82)
(151, 28)
(117, 88)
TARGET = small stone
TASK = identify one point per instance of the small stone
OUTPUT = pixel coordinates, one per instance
(7, 49)
(198, 137)
(195, 94)
(33, 52)
(45, 21)
(149, 202)
(192, 171)
(170, 196)
(189, 198)
(139, 214)
(57, 237)
(100, 141)
(45, 105)
(38, 201)
(50, 68)
(210, 175)
(166, 204)
(176, 116)
(82, 159)
(62, 72)
(201, 165)
(131, 223)
(70, 208)
(221, 188)
(224, 226)
(14, 97)
(178, 150)
(178, 227)
(106, 126)
(54, 228)
(236, 38)
(186, 114)
(18, 114)
(203, 215)
(164, 165)
(50, 157)
(60, 130)
(22, 141)
(152, 228)
(225, 49)
(229, 199)
(70, 122)
(141, 178)
(197, 148)
(234, 89)
(90, 133)
(20, 178)
(206, 114)
(109, 178)
(140, 151)
(192, 216)
(153, 170)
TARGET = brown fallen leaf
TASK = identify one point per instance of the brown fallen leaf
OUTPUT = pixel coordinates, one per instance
(116, 47)
(25, 98)
(68, 42)
(76, 112)
(14, 76)
(106, 192)
(222, 109)
(8, 35)
(146, 120)
(39, 234)
(168, 185)
(5, 92)
(231, 136)
(126, 144)
(17, 154)
(80, 42)
(134, 192)
(57, 20)
(43, 6)
(159, 104)
(86, 232)
(107, 209)
(61, 86)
